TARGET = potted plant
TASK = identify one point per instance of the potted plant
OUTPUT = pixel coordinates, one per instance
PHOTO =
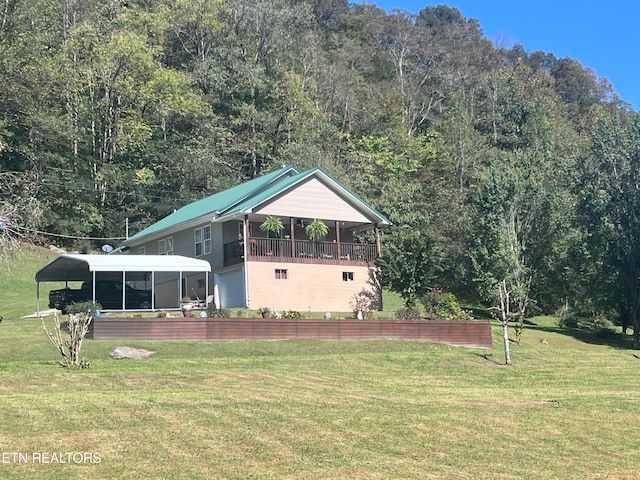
(186, 305)
(264, 311)
(316, 230)
(272, 225)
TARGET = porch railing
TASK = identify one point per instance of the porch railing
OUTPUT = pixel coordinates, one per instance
(302, 249)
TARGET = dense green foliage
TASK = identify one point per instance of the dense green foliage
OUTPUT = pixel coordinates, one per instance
(116, 111)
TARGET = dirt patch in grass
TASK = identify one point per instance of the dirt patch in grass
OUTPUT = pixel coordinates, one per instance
(525, 404)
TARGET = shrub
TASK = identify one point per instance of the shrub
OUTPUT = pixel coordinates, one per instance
(291, 314)
(597, 323)
(441, 305)
(408, 313)
(361, 301)
(80, 317)
(84, 307)
(568, 321)
(84, 246)
(212, 311)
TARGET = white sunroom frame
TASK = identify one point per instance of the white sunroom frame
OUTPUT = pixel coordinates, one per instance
(78, 267)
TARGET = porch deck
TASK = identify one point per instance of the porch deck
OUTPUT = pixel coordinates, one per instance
(300, 251)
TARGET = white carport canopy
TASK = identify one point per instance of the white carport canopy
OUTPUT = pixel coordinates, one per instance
(77, 267)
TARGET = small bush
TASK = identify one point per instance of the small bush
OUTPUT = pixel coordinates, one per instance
(212, 311)
(607, 334)
(597, 323)
(77, 328)
(84, 246)
(441, 305)
(83, 307)
(291, 314)
(568, 321)
(361, 302)
(408, 313)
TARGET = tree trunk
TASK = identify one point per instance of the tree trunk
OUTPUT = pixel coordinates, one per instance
(505, 338)
(504, 312)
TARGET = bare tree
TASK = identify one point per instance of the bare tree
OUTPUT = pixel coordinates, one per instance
(20, 213)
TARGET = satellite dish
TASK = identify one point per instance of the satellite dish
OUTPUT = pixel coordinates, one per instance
(107, 248)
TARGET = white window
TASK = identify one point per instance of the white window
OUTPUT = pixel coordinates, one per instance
(197, 240)
(165, 246)
(206, 238)
(202, 240)
(347, 276)
(142, 251)
(282, 274)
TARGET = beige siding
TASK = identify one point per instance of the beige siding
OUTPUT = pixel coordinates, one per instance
(313, 199)
(318, 288)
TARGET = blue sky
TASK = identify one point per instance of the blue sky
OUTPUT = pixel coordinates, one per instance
(600, 35)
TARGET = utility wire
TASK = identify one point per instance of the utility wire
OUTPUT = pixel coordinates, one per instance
(67, 236)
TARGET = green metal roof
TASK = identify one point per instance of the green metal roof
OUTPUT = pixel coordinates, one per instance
(218, 202)
(246, 196)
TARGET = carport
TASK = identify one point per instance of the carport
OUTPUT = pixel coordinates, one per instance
(84, 268)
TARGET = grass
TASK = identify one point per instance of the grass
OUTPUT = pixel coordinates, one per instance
(566, 409)
(17, 282)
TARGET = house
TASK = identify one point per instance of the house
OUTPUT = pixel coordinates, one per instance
(282, 270)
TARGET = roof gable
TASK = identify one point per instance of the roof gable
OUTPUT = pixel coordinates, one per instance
(313, 198)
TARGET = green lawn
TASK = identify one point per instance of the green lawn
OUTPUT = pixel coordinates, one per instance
(383, 409)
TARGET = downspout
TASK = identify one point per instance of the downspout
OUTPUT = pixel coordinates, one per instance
(245, 233)
(153, 290)
(124, 292)
(206, 289)
(93, 288)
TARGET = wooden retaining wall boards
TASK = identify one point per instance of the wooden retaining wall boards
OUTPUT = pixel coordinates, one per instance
(474, 333)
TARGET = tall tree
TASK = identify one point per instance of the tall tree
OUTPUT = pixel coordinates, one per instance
(609, 209)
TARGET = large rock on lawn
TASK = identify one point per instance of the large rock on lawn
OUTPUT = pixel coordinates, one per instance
(120, 353)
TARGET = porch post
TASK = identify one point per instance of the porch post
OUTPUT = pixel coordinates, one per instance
(93, 289)
(292, 225)
(246, 232)
(377, 230)
(339, 248)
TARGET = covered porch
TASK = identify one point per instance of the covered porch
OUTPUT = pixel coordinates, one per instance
(299, 251)
(344, 243)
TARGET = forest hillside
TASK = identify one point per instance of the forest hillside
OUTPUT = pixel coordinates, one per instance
(494, 163)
